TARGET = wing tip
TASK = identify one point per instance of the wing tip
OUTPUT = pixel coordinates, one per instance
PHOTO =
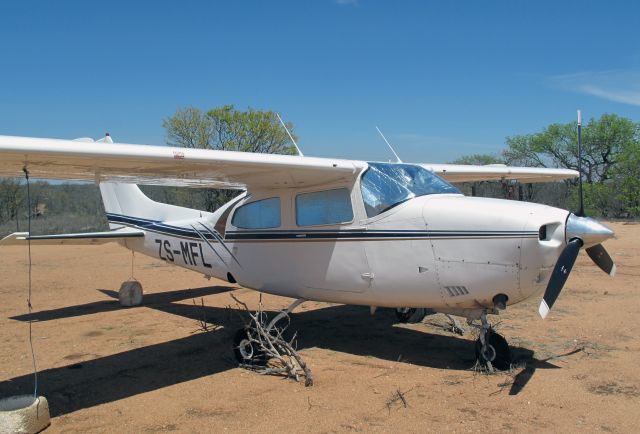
(612, 273)
(14, 238)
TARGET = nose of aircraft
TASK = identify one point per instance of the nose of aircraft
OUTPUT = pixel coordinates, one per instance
(589, 230)
(580, 232)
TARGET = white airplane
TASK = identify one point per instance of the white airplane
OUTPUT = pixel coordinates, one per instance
(342, 231)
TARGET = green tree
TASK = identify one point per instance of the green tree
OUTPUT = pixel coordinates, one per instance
(627, 177)
(606, 143)
(478, 159)
(603, 141)
(229, 129)
(225, 128)
(11, 198)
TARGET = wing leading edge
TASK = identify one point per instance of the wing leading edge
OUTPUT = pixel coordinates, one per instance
(164, 165)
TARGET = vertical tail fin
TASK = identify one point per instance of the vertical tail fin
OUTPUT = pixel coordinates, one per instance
(129, 201)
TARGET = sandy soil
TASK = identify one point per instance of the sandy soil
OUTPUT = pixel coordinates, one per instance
(105, 368)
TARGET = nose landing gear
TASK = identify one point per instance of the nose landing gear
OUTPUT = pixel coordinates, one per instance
(492, 350)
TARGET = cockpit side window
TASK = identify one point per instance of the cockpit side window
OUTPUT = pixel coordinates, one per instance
(261, 214)
(324, 207)
(385, 185)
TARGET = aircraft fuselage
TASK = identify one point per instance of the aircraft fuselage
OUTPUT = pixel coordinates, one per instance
(447, 252)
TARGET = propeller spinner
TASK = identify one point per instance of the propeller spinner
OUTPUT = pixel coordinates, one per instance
(580, 232)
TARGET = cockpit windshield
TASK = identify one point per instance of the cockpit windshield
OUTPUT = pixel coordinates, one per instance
(385, 185)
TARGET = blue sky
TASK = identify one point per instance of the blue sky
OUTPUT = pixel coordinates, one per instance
(440, 78)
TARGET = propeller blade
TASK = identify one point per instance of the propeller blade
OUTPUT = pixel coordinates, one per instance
(599, 255)
(559, 276)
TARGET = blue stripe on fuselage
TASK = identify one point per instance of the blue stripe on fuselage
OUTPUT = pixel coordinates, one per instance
(321, 234)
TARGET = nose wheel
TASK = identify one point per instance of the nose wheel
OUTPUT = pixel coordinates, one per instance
(492, 349)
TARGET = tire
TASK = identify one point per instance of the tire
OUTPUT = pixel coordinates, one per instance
(245, 351)
(497, 353)
(410, 315)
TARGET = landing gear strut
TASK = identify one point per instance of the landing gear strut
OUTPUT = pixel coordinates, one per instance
(492, 350)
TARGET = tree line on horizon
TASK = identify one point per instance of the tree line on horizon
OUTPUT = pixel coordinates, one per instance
(610, 164)
(610, 169)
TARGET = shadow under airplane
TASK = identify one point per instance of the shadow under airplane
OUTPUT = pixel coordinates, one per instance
(346, 329)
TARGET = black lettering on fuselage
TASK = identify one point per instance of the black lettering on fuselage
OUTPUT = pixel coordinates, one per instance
(186, 255)
(167, 250)
(202, 257)
(159, 242)
(194, 255)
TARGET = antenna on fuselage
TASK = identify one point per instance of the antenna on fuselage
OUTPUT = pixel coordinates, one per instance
(290, 136)
(398, 160)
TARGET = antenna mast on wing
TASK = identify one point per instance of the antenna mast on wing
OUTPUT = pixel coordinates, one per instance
(398, 160)
(290, 136)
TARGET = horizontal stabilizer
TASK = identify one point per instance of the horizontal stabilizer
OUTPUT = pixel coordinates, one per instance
(87, 238)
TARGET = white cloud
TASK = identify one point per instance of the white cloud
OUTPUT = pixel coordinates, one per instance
(619, 85)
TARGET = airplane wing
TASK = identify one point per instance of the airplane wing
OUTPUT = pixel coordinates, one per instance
(499, 172)
(164, 165)
(87, 238)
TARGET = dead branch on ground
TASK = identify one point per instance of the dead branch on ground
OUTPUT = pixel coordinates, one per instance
(276, 355)
(203, 324)
(398, 396)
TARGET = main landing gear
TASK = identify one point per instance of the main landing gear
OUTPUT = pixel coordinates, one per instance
(246, 347)
(492, 350)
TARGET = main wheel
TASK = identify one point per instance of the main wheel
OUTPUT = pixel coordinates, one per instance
(496, 351)
(410, 314)
(246, 351)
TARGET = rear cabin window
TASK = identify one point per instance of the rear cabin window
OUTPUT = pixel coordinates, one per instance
(324, 207)
(261, 214)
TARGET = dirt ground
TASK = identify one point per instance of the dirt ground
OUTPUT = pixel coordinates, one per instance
(104, 368)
